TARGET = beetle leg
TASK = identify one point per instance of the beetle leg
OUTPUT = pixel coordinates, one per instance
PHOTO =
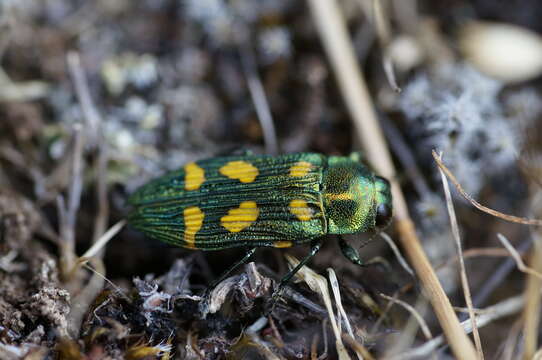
(350, 253)
(232, 268)
(204, 303)
(315, 246)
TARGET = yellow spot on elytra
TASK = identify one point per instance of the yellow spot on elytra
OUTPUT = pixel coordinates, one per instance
(301, 209)
(300, 168)
(193, 220)
(194, 176)
(240, 170)
(341, 196)
(240, 218)
(282, 244)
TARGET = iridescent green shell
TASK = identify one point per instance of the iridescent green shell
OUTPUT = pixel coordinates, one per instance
(260, 200)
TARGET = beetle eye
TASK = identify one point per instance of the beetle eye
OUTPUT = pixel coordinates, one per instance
(383, 215)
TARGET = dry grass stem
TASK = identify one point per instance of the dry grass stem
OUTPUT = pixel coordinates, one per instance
(462, 269)
(390, 73)
(314, 347)
(337, 295)
(103, 240)
(340, 309)
(514, 336)
(405, 156)
(318, 284)
(117, 288)
(476, 252)
(405, 340)
(76, 185)
(413, 312)
(333, 32)
(94, 124)
(360, 350)
(68, 212)
(405, 13)
(517, 257)
(102, 216)
(257, 326)
(91, 115)
(497, 277)
(397, 253)
(500, 215)
(531, 314)
(82, 301)
(537, 355)
(326, 342)
(502, 309)
(263, 347)
(466, 310)
(259, 99)
(21, 91)
(383, 32)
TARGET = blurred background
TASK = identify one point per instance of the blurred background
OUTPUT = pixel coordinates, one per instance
(97, 98)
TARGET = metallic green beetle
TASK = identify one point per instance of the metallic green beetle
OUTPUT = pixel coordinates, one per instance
(259, 200)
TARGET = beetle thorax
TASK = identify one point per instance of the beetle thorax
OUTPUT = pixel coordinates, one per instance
(348, 197)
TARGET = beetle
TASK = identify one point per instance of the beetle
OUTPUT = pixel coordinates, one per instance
(256, 201)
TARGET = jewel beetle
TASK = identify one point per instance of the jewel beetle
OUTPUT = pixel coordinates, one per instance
(256, 201)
